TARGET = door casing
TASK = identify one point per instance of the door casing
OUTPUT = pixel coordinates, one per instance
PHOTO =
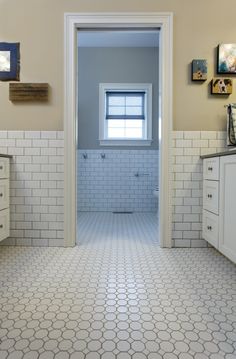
(75, 21)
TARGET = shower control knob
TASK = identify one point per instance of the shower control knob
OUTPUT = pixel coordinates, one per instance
(210, 169)
(209, 228)
(209, 195)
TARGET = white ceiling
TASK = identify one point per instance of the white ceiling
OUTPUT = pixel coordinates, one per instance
(118, 38)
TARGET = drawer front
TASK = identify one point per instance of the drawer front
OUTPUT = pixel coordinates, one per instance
(4, 193)
(211, 196)
(210, 225)
(211, 168)
(4, 224)
(4, 167)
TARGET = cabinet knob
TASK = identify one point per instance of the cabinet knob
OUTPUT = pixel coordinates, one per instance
(209, 195)
(210, 169)
(1, 194)
(209, 228)
(1, 167)
(1, 225)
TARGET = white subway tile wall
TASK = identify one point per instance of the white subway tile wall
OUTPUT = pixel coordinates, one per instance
(187, 183)
(36, 187)
(37, 174)
(110, 184)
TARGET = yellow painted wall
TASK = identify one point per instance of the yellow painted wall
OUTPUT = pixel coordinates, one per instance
(199, 26)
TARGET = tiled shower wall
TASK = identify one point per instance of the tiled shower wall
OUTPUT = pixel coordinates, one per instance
(111, 184)
(187, 183)
(36, 186)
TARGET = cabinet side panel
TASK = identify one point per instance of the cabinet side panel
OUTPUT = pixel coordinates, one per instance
(228, 207)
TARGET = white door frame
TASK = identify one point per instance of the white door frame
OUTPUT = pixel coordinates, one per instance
(74, 21)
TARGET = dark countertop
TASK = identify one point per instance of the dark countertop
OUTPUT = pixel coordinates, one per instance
(5, 155)
(220, 154)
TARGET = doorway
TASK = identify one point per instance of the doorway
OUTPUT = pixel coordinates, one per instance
(73, 22)
(118, 154)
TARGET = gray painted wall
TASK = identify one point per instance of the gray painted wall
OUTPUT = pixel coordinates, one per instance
(118, 65)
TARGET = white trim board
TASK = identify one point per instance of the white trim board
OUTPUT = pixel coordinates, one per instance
(73, 22)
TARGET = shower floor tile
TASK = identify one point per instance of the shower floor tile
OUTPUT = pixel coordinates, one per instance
(116, 295)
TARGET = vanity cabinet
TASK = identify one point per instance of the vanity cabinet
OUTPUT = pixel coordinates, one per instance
(4, 198)
(219, 203)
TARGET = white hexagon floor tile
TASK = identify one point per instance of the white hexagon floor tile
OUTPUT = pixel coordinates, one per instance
(116, 295)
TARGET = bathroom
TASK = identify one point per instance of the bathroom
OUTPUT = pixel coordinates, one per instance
(126, 291)
(117, 175)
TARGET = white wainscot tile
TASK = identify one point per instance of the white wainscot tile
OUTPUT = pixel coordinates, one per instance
(222, 135)
(178, 134)
(40, 143)
(208, 135)
(32, 217)
(14, 151)
(182, 226)
(191, 234)
(30, 151)
(23, 143)
(216, 143)
(3, 134)
(48, 134)
(200, 143)
(191, 135)
(182, 243)
(32, 134)
(183, 143)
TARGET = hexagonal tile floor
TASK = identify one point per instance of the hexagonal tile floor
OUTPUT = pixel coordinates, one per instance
(116, 296)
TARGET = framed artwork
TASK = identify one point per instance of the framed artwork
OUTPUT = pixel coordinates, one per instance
(226, 61)
(199, 70)
(221, 86)
(9, 61)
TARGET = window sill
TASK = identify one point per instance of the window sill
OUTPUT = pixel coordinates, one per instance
(125, 142)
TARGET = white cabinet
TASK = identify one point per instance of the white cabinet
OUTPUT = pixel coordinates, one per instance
(227, 224)
(4, 198)
(211, 196)
(210, 216)
(210, 228)
(211, 168)
(219, 204)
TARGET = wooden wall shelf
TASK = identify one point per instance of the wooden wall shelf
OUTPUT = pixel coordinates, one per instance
(28, 92)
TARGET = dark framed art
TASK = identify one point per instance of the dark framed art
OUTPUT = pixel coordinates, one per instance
(221, 86)
(226, 59)
(9, 61)
(199, 70)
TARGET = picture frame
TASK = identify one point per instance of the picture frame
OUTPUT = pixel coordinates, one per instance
(221, 86)
(199, 70)
(9, 61)
(226, 59)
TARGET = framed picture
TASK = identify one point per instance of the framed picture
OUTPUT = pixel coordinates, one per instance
(221, 86)
(9, 61)
(226, 62)
(199, 70)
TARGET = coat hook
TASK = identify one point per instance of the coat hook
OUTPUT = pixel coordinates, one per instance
(103, 156)
(85, 156)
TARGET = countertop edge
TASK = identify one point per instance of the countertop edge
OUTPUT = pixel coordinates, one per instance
(219, 154)
(6, 156)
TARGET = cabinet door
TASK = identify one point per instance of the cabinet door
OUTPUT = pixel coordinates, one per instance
(227, 232)
(4, 167)
(211, 168)
(211, 196)
(210, 228)
(4, 224)
(4, 193)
